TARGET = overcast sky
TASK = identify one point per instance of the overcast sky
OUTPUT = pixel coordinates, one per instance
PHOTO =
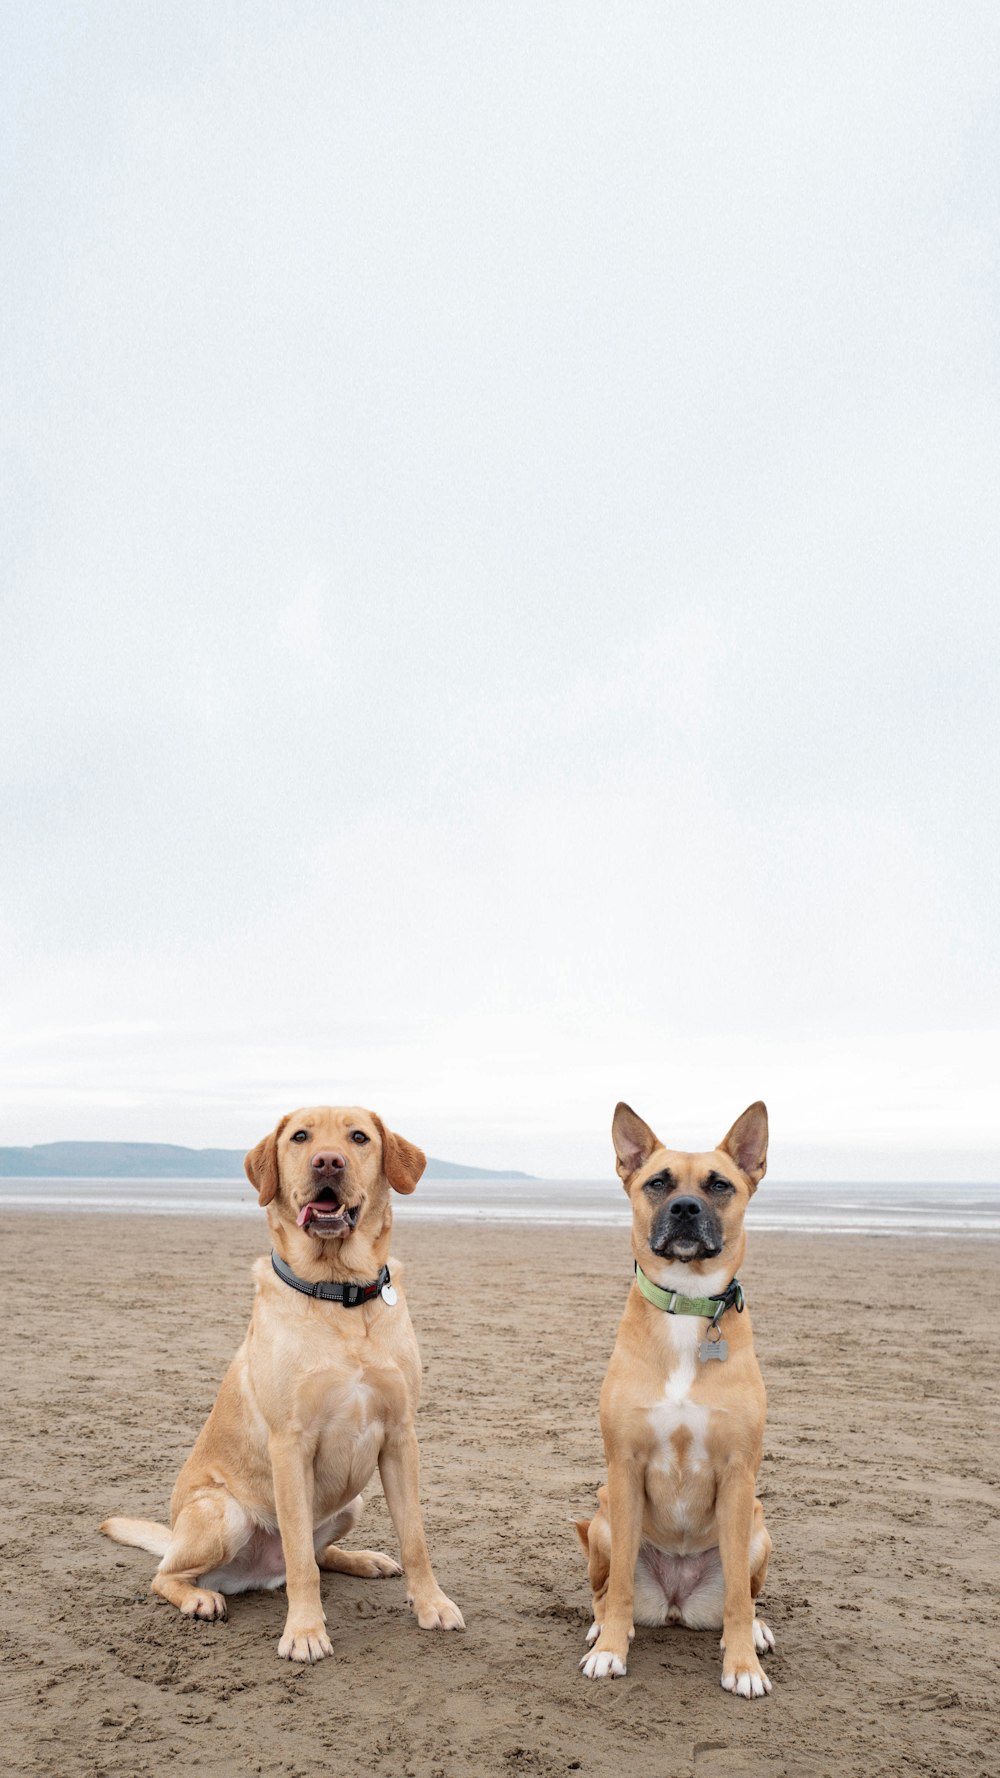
(500, 575)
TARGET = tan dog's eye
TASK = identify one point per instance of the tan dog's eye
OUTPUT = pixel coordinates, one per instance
(359, 1136)
(717, 1184)
(301, 1136)
(661, 1182)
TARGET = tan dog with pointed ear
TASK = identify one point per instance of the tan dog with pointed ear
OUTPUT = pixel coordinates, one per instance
(679, 1536)
(324, 1387)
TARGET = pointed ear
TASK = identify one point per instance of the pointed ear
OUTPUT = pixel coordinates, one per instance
(746, 1143)
(634, 1141)
(261, 1165)
(402, 1162)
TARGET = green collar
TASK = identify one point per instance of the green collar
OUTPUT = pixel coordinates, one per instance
(672, 1303)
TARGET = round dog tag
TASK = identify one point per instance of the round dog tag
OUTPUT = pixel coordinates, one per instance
(389, 1294)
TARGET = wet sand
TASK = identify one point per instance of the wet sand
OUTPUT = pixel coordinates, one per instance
(879, 1483)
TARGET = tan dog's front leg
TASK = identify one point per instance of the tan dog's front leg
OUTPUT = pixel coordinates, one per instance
(399, 1467)
(305, 1637)
(608, 1658)
(741, 1670)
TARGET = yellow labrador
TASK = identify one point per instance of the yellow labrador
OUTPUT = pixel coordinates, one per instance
(324, 1387)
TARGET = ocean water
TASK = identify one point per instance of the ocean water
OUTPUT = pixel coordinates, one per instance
(941, 1210)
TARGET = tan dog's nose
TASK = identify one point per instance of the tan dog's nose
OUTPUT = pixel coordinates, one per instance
(682, 1208)
(328, 1164)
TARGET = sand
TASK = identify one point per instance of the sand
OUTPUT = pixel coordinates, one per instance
(879, 1485)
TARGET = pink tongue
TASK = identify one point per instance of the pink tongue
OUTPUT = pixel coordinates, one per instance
(318, 1213)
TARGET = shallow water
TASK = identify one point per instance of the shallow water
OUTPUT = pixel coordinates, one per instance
(824, 1208)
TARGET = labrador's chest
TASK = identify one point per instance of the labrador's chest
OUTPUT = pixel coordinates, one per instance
(346, 1410)
(338, 1384)
(349, 1429)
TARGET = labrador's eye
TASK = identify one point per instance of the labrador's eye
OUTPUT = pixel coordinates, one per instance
(301, 1136)
(359, 1136)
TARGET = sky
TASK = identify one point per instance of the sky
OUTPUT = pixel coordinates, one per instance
(499, 576)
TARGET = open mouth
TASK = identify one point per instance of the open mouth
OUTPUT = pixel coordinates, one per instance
(326, 1216)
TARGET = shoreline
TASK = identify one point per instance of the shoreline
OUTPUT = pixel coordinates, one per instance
(872, 1211)
(513, 1219)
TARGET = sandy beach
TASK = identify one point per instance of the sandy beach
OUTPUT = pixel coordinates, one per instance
(879, 1484)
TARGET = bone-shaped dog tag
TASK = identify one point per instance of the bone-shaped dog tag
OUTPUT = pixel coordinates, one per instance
(713, 1349)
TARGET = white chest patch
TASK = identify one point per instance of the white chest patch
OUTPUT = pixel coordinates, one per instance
(675, 1410)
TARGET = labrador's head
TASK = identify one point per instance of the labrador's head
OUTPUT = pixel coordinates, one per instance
(686, 1207)
(327, 1171)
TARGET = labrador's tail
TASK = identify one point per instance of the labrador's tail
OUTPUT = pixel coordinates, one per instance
(143, 1533)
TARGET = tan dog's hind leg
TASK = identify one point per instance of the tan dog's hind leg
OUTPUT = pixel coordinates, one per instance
(399, 1467)
(204, 1537)
(760, 1550)
(608, 1658)
(737, 1513)
(596, 1540)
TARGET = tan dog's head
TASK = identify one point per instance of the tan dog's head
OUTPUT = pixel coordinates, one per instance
(690, 1207)
(324, 1174)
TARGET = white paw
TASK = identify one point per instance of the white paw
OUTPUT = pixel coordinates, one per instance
(744, 1684)
(603, 1665)
(593, 1632)
(763, 1638)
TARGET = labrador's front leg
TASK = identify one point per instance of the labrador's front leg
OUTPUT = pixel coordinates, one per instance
(305, 1637)
(399, 1467)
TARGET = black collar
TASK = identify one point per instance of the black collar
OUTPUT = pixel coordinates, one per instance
(348, 1294)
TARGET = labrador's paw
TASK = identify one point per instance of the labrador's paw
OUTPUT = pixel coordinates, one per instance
(367, 1564)
(763, 1636)
(436, 1612)
(305, 1642)
(203, 1603)
(377, 1565)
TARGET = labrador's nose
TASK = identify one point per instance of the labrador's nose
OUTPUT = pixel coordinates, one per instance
(681, 1207)
(328, 1164)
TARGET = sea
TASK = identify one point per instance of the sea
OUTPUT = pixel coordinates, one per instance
(953, 1211)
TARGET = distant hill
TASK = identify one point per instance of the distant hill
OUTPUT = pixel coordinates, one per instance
(163, 1160)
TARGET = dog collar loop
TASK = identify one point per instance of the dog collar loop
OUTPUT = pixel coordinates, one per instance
(673, 1303)
(351, 1295)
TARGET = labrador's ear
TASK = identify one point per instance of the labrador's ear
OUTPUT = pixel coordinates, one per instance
(746, 1143)
(402, 1162)
(261, 1165)
(634, 1141)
